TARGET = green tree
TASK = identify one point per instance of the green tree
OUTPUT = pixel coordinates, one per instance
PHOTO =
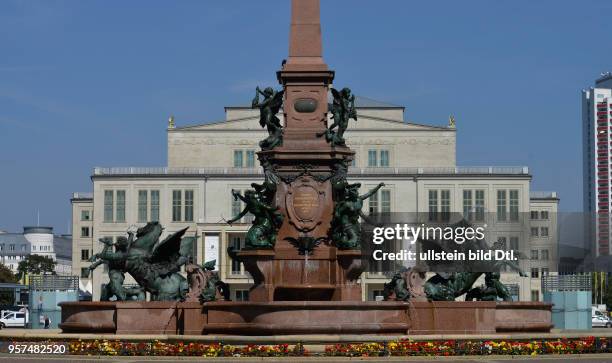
(36, 265)
(6, 275)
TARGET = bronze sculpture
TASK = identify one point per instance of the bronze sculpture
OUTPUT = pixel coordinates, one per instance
(342, 109)
(116, 275)
(268, 219)
(268, 188)
(346, 230)
(268, 108)
(154, 265)
(449, 286)
(490, 291)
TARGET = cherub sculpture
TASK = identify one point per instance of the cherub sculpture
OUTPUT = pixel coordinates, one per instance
(338, 180)
(490, 291)
(342, 109)
(449, 286)
(346, 230)
(268, 188)
(268, 219)
(268, 108)
(153, 264)
(116, 275)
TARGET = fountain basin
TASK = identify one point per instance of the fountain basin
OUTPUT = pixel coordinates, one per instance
(304, 317)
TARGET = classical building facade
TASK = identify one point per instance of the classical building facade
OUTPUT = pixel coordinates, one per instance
(206, 162)
(82, 238)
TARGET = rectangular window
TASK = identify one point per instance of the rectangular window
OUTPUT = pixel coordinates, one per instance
(544, 214)
(238, 159)
(467, 205)
(155, 205)
(433, 205)
(142, 206)
(535, 294)
(250, 158)
(85, 216)
(514, 205)
(544, 231)
(84, 255)
(384, 157)
(534, 254)
(479, 204)
(237, 244)
(84, 231)
(188, 205)
(534, 231)
(373, 203)
(501, 241)
(236, 207)
(385, 201)
(23, 248)
(84, 272)
(535, 273)
(534, 214)
(2, 247)
(544, 255)
(120, 208)
(501, 205)
(544, 271)
(241, 295)
(177, 205)
(108, 206)
(445, 205)
(372, 162)
(514, 243)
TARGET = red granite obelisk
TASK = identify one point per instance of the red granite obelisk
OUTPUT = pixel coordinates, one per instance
(306, 78)
(305, 163)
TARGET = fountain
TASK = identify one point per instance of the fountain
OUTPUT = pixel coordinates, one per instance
(304, 247)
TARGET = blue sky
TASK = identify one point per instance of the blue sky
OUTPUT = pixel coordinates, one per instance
(92, 83)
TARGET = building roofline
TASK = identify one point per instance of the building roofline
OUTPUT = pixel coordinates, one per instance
(81, 196)
(439, 172)
(543, 195)
(225, 122)
(603, 77)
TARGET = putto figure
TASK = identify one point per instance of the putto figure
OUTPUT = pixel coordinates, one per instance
(342, 109)
(153, 264)
(268, 219)
(268, 108)
(490, 291)
(346, 230)
(116, 276)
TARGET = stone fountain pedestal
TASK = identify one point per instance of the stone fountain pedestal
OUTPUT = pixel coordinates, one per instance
(305, 284)
(305, 317)
(327, 275)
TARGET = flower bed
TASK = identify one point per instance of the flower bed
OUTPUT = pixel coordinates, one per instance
(158, 348)
(391, 348)
(468, 347)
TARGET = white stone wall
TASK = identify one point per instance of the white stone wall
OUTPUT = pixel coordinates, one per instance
(409, 145)
(80, 242)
